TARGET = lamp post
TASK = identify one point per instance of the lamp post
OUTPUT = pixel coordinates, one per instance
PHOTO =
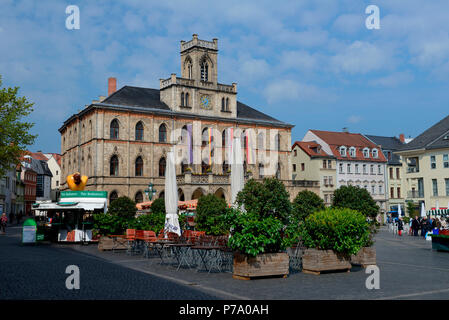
(150, 191)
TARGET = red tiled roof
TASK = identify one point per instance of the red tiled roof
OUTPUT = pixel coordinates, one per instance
(311, 148)
(337, 139)
(38, 156)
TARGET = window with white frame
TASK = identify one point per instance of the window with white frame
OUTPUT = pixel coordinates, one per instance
(373, 189)
(364, 169)
(349, 168)
(372, 169)
(379, 169)
(341, 168)
(433, 162)
(445, 160)
(366, 153)
(343, 151)
(352, 152)
(375, 153)
(380, 189)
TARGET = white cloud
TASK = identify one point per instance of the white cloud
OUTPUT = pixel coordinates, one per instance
(394, 79)
(360, 58)
(349, 23)
(285, 90)
(354, 119)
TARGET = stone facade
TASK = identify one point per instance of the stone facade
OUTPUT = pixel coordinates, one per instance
(135, 128)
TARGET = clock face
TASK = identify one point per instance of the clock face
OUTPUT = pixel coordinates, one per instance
(205, 102)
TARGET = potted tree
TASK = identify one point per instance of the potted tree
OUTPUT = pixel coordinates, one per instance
(119, 217)
(257, 230)
(359, 199)
(331, 236)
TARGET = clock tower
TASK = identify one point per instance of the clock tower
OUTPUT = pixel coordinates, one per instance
(197, 90)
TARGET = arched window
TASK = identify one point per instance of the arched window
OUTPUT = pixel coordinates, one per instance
(278, 171)
(352, 152)
(223, 138)
(375, 153)
(113, 166)
(113, 196)
(261, 170)
(204, 167)
(162, 165)
(187, 99)
(139, 131)
(223, 107)
(227, 104)
(260, 141)
(244, 139)
(162, 133)
(277, 142)
(184, 166)
(182, 99)
(225, 167)
(139, 167)
(204, 71)
(114, 129)
(90, 130)
(189, 70)
(205, 137)
(138, 198)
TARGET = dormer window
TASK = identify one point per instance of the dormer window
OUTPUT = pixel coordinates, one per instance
(352, 152)
(375, 153)
(366, 153)
(343, 151)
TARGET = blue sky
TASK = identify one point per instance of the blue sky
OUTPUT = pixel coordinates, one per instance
(313, 64)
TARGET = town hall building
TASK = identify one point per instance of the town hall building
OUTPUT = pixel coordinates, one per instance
(121, 141)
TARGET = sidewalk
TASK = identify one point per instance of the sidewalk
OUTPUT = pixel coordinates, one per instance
(398, 258)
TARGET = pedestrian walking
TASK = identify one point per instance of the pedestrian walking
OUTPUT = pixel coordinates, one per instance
(19, 217)
(424, 226)
(3, 221)
(400, 226)
(415, 226)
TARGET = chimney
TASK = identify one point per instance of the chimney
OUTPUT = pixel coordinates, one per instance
(402, 138)
(112, 85)
(345, 129)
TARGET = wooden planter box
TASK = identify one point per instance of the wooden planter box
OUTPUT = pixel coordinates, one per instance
(315, 261)
(107, 243)
(263, 265)
(365, 257)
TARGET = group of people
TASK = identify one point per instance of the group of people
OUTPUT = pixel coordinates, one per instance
(420, 223)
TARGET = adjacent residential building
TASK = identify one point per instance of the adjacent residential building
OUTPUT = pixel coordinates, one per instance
(8, 192)
(426, 166)
(54, 165)
(310, 162)
(395, 170)
(359, 161)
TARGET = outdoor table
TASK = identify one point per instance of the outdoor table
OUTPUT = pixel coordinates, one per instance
(146, 244)
(203, 251)
(161, 245)
(181, 251)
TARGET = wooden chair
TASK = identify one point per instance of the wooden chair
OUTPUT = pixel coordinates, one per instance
(131, 239)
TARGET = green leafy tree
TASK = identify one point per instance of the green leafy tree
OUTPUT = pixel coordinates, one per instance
(210, 215)
(153, 221)
(267, 199)
(411, 209)
(340, 229)
(14, 132)
(355, 198)
(158, 206)
(123, 207)
(253, 235)
(305, 203)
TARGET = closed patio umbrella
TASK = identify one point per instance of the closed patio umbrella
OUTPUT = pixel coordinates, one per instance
(171, 197)
(399, 210)
(237, 180)
(423, 210)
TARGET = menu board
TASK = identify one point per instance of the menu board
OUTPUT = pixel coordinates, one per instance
(29, 234)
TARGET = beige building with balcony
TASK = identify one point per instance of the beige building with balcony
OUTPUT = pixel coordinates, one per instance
(426, 166)
(121, 141)
(311, 163)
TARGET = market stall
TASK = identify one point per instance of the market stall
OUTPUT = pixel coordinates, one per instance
(71, 218)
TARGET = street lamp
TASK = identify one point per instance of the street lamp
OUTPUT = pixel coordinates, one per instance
(150, 191)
